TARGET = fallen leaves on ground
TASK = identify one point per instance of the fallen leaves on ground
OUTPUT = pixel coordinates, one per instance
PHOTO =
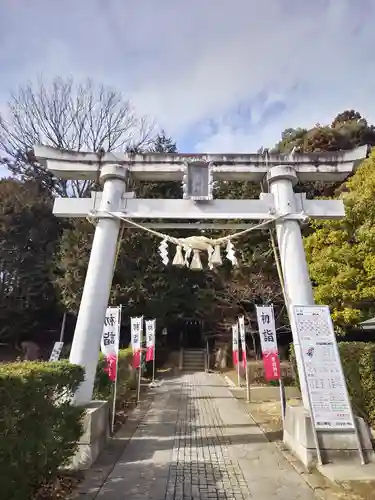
(59, 489)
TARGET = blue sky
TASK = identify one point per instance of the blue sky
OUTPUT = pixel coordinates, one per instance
(218, 75)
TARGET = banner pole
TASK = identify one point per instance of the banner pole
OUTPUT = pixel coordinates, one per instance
(114, 400)
(247, 381)
(139, 383)
(282, 398)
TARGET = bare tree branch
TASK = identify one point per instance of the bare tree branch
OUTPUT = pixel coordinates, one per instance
(67, 115)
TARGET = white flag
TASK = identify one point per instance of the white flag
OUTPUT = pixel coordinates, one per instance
(111, 332)
(56, 351)
(235, 344)
(241, 324)
(136, 326)
(150, 338)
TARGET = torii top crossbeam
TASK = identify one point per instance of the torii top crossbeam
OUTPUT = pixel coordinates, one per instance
(328, 167)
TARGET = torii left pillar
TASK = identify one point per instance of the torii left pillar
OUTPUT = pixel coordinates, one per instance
(98, 282)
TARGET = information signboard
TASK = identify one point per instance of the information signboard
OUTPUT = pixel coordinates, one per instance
(329, 400)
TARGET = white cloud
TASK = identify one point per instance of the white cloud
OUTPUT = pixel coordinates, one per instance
(212, 69)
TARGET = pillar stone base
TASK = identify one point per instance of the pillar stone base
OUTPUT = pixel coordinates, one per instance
(95, 436)
(336, 446)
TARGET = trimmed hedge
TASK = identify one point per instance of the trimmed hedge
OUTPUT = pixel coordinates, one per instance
(39, 428)
(358, 362)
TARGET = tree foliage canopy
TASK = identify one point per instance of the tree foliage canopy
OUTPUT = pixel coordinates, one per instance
(29, 235)
(341, 254)
(347, 131)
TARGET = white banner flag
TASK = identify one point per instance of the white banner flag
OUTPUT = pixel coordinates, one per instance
(235, 344)
(111, 332)
(150, 325)
(268, 342)
(110, 342)
(241, 324)
(136, 326)
(56, 351)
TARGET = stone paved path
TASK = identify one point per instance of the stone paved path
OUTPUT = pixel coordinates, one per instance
(197, 442)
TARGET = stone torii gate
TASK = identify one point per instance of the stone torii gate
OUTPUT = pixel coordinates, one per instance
(280, 206)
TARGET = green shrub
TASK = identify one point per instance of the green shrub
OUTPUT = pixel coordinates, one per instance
(39, 428)
(358, 363)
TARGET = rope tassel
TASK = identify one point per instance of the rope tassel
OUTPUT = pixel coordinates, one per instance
(216, 259)
(196, 263)
(231, 253)
(178, 258)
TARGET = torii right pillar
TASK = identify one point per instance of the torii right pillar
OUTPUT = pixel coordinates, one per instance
(298, 289)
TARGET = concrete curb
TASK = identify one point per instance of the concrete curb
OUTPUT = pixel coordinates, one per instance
(316, 483)
(229, 382)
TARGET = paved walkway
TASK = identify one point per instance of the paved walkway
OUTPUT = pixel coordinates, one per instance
(197, 442)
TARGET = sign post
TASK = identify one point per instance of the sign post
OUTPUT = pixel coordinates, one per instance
(109, 345)
(150, 344)
(241, 325)
(136, 325)
(324, 377)
(236, 361)
(56, 351)
(270, 353)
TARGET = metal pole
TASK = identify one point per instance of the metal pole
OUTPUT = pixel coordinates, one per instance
(153, 366)
(114, 399)
(139, 383)
(298, 288)
(62, 331)
(282, 398)
(96, 291)
(208, 355)
(247, 381)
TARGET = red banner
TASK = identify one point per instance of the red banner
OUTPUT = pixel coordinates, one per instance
(235, 358)
(137, 359)
(271, 364)
(111, 368)
(150, 351)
